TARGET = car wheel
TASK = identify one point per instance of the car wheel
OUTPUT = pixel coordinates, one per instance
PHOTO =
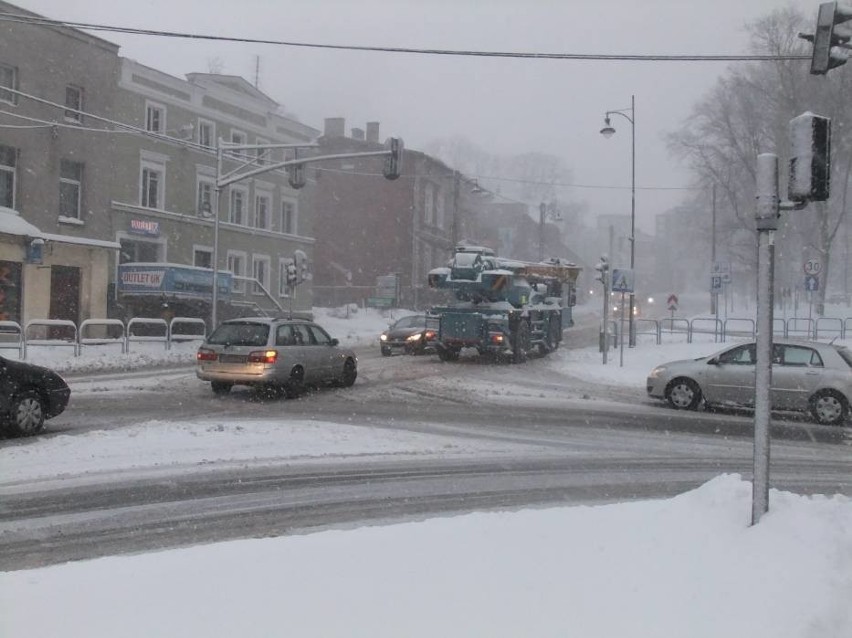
(27, 414)
(520, 342)
(386, 352)
(350, 373)
(683, 394)
(221, 388)
(296, 385)
(829, 407)
(448, 354)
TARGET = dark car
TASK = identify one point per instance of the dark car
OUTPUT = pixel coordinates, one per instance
(408, 335)
(29, 394)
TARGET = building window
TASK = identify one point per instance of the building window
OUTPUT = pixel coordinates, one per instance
(206, 133)
(288, 217)
(70, 188)
(205, 197)
(151, 190)
(237, 266)
(202, 257)
(239, 138)
(133, 251)
(8, 80)
(155, 117)
(8, 174)
(440, 214)
(260, 271)
(238, 206)
(74, 103)
(261, 211)
(283, 270)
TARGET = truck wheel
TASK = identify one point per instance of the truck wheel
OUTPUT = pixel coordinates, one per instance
(448, 354)
(520, 342)
(551, 340)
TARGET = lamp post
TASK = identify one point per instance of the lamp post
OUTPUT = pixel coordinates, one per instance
(608, 131)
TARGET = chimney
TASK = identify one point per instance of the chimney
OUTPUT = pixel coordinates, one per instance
(373, 132)
(358, 134)
(335, 127)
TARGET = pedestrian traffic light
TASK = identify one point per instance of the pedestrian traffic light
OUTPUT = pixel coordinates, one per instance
(830, 35)
(393, 162)
(810, 158)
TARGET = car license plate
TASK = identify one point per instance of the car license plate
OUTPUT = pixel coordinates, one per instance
(232, 358)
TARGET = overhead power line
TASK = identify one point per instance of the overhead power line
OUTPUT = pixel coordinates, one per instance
(37, 20)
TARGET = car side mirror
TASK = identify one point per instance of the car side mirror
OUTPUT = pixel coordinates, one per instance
(334, 342)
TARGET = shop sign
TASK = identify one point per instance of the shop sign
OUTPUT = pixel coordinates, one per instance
(145, 227)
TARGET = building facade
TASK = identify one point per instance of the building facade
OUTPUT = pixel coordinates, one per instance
(115, 163)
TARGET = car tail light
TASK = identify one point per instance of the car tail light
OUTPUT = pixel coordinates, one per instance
(497, 339)
(263, 356)
(430, 334)
(206, 355)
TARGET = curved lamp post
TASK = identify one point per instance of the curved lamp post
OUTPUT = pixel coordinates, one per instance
(608, 131)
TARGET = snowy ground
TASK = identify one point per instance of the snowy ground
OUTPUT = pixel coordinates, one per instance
(687, 566)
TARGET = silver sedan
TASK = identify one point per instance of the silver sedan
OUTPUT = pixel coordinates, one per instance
(806, 376)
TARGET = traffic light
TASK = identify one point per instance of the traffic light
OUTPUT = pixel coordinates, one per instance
(829, 34)
(603, 268)
(301, 260)
(393, 162)
(296, 175)
(810, 158)
(292, 273)
(296, 172)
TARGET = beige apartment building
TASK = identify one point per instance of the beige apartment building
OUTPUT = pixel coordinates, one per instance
(108, 163)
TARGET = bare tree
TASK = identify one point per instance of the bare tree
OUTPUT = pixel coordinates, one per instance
(747, 113)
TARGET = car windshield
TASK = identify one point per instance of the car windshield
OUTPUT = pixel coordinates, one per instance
(413, 321)
(240, 334)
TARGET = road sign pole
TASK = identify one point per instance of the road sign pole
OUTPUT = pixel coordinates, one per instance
(621, 330)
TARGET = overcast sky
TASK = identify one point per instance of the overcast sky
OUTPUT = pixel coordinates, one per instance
(503, 105)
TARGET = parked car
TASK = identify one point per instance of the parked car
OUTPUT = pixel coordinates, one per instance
(408, 335)
(806, 376)
(273, 354)
(29, 395)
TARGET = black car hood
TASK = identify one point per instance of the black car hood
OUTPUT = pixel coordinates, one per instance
(24, 370)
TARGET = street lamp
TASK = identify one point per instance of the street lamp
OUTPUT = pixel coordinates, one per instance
(608, 131)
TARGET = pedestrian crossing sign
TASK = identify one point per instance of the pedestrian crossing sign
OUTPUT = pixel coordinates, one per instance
(622, 280)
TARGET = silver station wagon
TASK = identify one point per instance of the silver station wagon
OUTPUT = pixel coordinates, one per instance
(806, 376)
(274, 355)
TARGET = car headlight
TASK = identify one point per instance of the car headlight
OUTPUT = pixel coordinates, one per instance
(657, 372)
(415, 337)
(383, 337)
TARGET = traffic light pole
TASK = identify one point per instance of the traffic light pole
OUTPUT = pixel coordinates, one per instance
(768, 211)
(393, 153)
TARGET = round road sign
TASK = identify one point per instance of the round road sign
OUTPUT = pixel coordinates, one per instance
(813, 267)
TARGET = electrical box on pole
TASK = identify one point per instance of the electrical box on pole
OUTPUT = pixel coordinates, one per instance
(830, 36)
(810, 158)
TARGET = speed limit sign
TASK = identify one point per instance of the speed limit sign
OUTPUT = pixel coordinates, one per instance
(813, 267)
